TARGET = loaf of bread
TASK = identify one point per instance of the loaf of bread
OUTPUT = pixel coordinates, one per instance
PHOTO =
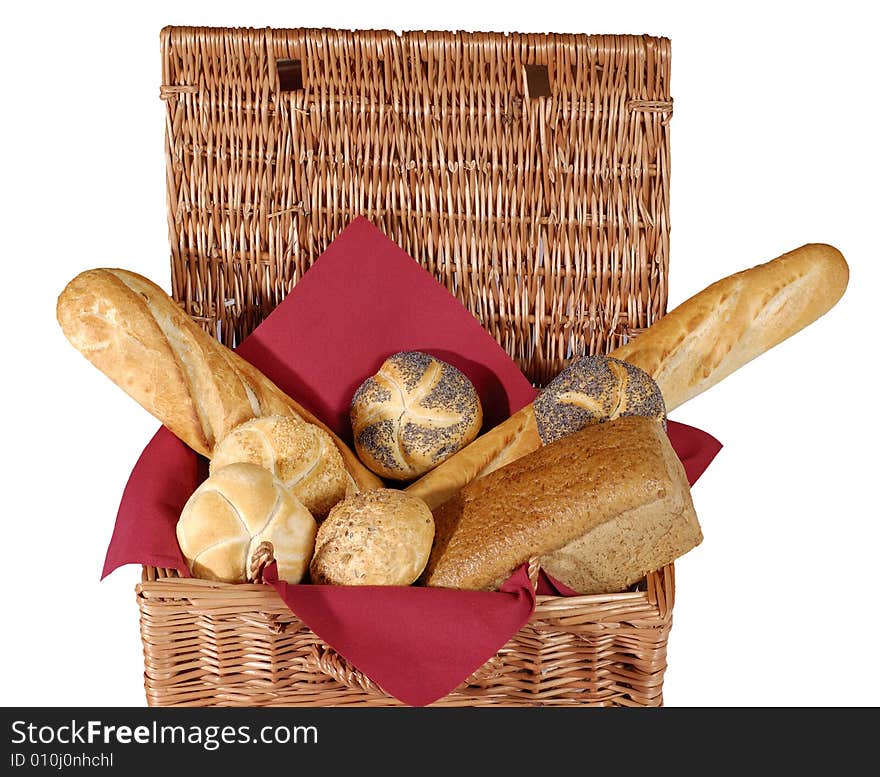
(378, 537)
(299, 454)
(240, 519)
(728, 324)
(599, 508)
(133, 332)
(592, 389)
(413, 414)
(687, 351)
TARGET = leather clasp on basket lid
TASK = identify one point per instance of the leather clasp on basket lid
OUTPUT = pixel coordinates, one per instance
(290, 75)
(537, 81)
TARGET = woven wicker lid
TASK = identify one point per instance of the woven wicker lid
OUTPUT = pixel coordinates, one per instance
(528, 173)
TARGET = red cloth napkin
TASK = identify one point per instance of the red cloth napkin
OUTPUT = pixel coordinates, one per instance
(363, 300)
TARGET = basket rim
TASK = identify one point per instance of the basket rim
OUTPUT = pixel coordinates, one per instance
(171, 29)
(173, 586)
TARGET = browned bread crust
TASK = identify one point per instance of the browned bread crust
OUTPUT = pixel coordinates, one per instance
(141, 339)
(301, 455)
(600, 508)
(728, 324)
(379, 537)
(413, 414)
(590, 390)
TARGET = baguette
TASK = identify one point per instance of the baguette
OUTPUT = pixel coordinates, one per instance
(728, 324)
(511, 439)
(133, 332)
(690, 349)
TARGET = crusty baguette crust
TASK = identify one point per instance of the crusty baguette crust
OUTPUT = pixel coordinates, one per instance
(508, 441)
(728, 324)
(132, 331)
(690, 349)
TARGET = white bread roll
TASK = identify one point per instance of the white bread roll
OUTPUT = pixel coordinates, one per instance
(413, 414)
(240, 518)
(301, 455)
(379, 537)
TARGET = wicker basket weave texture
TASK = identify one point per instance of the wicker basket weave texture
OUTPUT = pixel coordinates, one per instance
(529, 174)
(545, 216)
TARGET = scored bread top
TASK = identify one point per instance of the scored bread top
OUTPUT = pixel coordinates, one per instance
(726, 325)
(134, 333)
(238, 508)
(141, 339)
(593, 389)
(301, 455)
(414, 413)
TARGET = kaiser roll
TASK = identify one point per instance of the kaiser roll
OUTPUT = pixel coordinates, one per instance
(240, 517)
(413, 414)
(594, 389)
(301, 455)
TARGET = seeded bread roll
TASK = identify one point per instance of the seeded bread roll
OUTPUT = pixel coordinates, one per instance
(240, 519)
(590, 390)
(301, 455)
(413, 414)
(379, 537)
(600, 508)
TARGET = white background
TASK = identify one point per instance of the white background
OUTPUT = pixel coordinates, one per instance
(774, 144)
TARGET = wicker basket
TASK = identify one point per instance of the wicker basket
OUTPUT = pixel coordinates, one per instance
(529, 174)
